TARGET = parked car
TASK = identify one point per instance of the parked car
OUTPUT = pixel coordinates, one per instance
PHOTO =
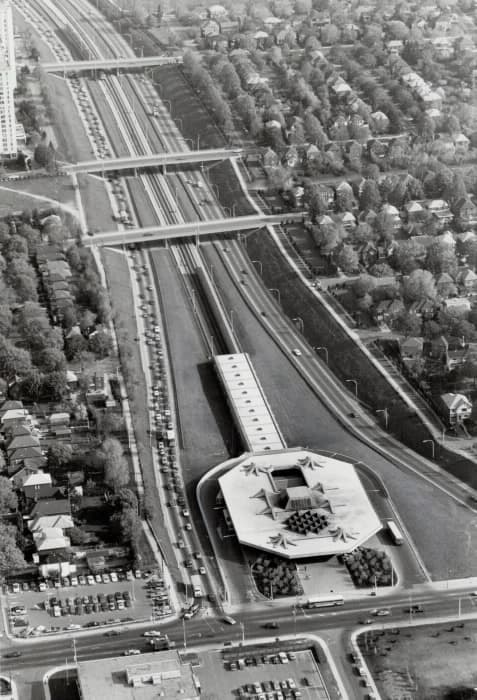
(131, 652)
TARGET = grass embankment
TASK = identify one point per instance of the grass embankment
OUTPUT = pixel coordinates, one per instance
(345, 359)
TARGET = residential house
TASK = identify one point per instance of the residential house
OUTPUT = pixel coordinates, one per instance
(17, 458)
(437, 349)
(439, 208)
(445, 284)
(459, 306)
(18, 479)
(291, 157)
(392, 215)
(443, 48)
(348, 220)
(210, 28)
(395, 46)
(456, 408)
(467, 281)
(465, 213)
(46, 521)
(50, 539)
(379, 122)
(386, 310)
(9, 405)
(431, 99)
(37, 485)
(340, 87)
(326, 195)
(368, 253)
(377, 149)
(424, 308)
(414, 211)
(461, 143)
(217, 12)
(411, 348)
(270, 159)
(50, 506)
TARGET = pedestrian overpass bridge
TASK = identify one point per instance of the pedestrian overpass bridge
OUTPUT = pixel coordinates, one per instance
(154, 160)
(192, 229)
(110, 64)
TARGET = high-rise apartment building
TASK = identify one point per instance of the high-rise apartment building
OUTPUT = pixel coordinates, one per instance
(8, 81)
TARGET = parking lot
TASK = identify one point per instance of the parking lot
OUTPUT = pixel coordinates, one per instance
(252, 676)
(85, 601)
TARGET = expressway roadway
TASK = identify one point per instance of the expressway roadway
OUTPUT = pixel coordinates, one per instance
(212, 632)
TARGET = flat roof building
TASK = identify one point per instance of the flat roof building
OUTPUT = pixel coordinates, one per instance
(147, 677)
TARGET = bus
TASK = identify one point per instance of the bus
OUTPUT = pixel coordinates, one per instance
(324, 601)
(395, 532)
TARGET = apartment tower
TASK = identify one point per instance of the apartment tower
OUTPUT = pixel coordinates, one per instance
(8, 135)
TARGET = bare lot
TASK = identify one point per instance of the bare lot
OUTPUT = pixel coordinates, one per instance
(427, 663)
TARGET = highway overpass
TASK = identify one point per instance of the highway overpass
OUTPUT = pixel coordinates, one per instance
(190, 229)
(109, 63)
(154, 160)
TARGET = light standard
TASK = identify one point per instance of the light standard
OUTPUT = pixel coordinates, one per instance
(354, 381)
(184, 633)
(243, 632)
(301, 325)
(232, 320)
(433, 447)
(258, 262)
(322, 347)
(277, 291)
(386, 415)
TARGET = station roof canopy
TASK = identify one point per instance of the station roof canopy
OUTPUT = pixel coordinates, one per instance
(298, 504)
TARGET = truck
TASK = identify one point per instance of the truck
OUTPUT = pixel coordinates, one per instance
(196, 581)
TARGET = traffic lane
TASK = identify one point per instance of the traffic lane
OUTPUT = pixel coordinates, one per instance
(203, 631)
(315, 426)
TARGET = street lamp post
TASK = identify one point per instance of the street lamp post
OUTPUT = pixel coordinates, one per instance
(258, 262)
(184, 633)
(277, 293)
(433, 447)
(301, 325)
(243, 632)
(232, 320)
(386, 415)
(355, 382)
(322, 347)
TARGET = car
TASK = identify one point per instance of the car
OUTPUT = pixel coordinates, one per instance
(473, 593)
(42, 586)
(110, 598)
(202, 570)
(65, 582)
(129, 575)
(127, 602)
(112, 633)
(73, 626)
(187, 526)
(185, 513)
(114, 577)
(291, 683)
(383, 611)
(12, 654)
(229, 620)
(105, 578)
(414, 609)
(15, 588)
(90, 580)
(267, 686)
(82, 580)
(74, 581)
(18, 610)
(137, 573)
(366, 621)
(126, 595)
(152, 633)
(131, 652)
(296, 352)
(271, 625)
(98, 578)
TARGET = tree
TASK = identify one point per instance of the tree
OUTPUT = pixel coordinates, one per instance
(51, 360)
(407, 323)
(11, 557)
(8, 498)
(5, 319)
(130, 525)
(314, 130)
(13, 360)
(348, 259)
(370, 197)
(441, 257)
(77, 536)
(87, 321)
(419, 285)
(328, 237)
(75, 346)
(407, 255)
(116, 470)
(31, 384)
(363, 285)
(60, 455)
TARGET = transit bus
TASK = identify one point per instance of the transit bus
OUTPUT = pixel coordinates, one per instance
(395, 532)
(324, 601)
